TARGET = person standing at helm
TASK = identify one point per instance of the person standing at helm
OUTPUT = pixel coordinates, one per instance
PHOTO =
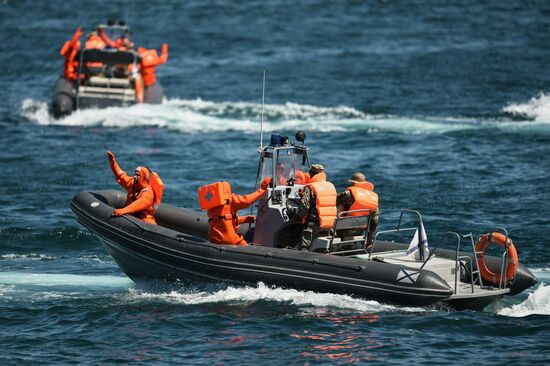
(122, 43)
(223, 210)
(360, 196)
(140, 200)
(318, 206)
(94, 41)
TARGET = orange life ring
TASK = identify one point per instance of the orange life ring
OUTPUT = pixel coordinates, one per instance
(511, 253)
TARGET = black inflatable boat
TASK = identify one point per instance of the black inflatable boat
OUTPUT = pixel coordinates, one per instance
(106, 77)
(178, 248)
(103, 89)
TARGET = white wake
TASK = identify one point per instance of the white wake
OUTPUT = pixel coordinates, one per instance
(262, 292)
(199, 116)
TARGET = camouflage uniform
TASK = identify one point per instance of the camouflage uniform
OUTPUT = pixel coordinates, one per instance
(311, 227)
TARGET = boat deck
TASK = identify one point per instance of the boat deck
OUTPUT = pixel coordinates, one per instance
(444, 267)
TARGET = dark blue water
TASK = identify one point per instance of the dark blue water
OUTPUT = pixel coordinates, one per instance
(442, 106)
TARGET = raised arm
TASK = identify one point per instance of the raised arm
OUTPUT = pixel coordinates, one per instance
(120, 175)
(242, 202)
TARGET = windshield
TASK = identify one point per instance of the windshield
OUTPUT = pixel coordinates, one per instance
(284, 164)
(285, 167)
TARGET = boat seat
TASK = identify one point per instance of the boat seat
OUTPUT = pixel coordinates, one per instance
(344, 222)
(109, 82)
(323, 243)
(98, 90)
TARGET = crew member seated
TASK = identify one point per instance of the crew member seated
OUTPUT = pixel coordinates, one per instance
(360, 196)
(144, 191)
(223, 207)
(318, 207)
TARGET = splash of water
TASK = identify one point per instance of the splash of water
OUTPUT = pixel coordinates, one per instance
(538, 302)
(537, 108)
(263, 292)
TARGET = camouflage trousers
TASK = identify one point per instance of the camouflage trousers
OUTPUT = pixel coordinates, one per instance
(310, 231)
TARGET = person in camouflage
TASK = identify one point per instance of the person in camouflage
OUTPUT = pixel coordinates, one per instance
(317, 207)
(367, 199)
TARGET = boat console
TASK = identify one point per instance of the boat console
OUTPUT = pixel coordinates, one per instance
(277, 220)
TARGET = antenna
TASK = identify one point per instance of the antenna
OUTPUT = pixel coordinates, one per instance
(262, 120)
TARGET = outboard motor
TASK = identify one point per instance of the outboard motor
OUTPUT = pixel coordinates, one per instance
(277, 221)
(63, 99)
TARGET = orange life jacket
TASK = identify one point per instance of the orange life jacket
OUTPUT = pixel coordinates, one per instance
(364, 198)
(94, 41)
(302, 177)
(149, 61)
(325, 200)
(69, 51)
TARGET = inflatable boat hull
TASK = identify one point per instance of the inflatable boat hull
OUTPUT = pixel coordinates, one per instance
(178, 249)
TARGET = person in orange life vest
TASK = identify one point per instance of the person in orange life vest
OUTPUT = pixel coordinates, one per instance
(140, 197)
(224, 220)
(147, 76)
(317, 206)
(358, 197)
(69, 51)
(149, 61)
(302, 177)
(94, 41)
(122, 43)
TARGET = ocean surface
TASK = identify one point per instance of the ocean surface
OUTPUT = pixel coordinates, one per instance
(445, 108)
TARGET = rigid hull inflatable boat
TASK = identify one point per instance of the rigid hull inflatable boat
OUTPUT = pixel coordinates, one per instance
(98, 76)
(178, 248)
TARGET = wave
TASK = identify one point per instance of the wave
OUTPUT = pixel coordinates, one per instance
(198, 116)
(30, 256)
(262, 292)
(537, 109)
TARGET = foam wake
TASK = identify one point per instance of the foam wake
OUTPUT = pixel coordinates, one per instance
(198, 116)
(30, 256)
(59, 280)
(191, 116)
(262, 292)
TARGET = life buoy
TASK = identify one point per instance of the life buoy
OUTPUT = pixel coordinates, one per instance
(511, 253)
